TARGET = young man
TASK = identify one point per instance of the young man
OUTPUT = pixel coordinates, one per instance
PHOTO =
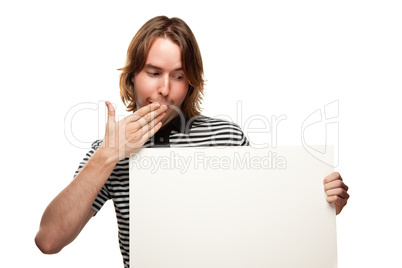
(162, 84)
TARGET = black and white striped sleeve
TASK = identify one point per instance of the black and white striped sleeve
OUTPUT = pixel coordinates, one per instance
(103, 195)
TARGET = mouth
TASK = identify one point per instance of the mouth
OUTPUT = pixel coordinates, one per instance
(161, 103)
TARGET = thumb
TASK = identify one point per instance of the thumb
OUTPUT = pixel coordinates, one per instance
(110, 112)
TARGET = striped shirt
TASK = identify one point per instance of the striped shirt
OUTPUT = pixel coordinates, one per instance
(198, 131)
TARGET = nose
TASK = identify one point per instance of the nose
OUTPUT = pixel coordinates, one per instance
(164, 86)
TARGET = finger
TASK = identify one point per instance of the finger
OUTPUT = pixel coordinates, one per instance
(143, 111)
(336, 200)
(338, 192)
(336, 184)
(151, 132)
(143, 125)
(332, 177)
(110, 112)
(156, 120)
(145, 136)
(140, 136)
(150, 116)
(147, 127)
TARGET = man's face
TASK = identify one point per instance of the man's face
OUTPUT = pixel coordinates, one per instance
(162, 78)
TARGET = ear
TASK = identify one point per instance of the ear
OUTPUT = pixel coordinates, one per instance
(132, 78)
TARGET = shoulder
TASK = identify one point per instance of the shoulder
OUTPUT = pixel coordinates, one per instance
(213, 124)
(219, 131)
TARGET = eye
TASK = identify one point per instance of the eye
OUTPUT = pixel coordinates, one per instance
(152, 74)
(178, 77)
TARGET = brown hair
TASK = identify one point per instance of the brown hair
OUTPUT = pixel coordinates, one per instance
(178, 31)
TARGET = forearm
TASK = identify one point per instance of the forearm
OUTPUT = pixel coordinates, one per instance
(66, 215)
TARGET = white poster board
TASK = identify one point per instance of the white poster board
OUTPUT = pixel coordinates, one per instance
(234, 207)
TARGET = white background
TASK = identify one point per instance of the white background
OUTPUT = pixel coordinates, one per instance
(278, 58)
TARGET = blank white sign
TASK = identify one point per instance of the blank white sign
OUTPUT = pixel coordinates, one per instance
(234, 207)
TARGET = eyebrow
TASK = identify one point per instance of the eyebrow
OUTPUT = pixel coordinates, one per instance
(159, 68)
